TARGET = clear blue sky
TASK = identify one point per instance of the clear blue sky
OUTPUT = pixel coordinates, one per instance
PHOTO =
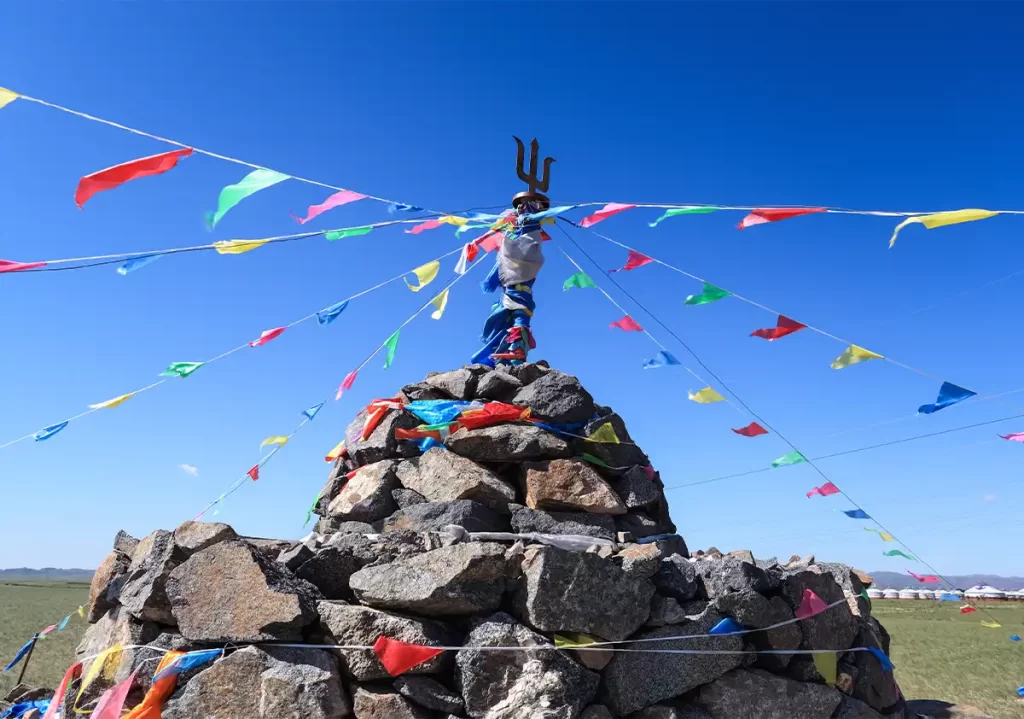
(874, 106)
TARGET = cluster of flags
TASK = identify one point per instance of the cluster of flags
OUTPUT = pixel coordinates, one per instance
(41, 634)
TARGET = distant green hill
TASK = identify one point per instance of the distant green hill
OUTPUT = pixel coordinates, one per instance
(46, 574)
(893, 580)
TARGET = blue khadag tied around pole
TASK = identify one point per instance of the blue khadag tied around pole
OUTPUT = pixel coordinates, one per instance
(47, 432)
(726, 626)
(662, 359)
(856, 514)
(949, 394)
(327, 315)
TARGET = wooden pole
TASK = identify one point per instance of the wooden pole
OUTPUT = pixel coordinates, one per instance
(28, 657)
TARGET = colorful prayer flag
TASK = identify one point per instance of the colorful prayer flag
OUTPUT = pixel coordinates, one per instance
(117, 175)
(188, 661)
(135, 263)
(237, 247)
(942, 219)
(949, 394)
(626, 324)
(469, 253)
(311, 412)
(726, 626)
(884, 536)
(763, 215)
(278, 439)
(676, 211)
(336, 452)
(428, 225)
(926, 578)
(63, 623)
(709, 294)
(1014, 436)
(612, 208)
(20, 654)
(425, 274)
(854, 355)
(112, 700)
(784, 326)
(827, 666)
(328, 314)
(707, 395)
(751, 430)
(7, 97)
(579, 280)
(342, 197)
(662, 359)
(81, 611)
(789, 458)
(110, 403)
(346, 383)
(254, 471)
(856, 514)
(991, 625)
(453, 220)
(898, 553)
(399, 207)
(439, 302)
(490, 241)
(73, 672)
(550, 212)
(967, 609)
(181, 369)
(266, 336)
(233, 194)
(47, 432)
(12, 266)
(605, 433)
(824, 490)
(391, 345)
(810, 604)
(633, 260)
(47, 630)
(572, 640)
(399, 657)
(886, 663)
(348, 232)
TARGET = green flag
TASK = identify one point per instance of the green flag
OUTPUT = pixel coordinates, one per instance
(181, 369)
(865, 597)
(580, 280)
(309, 514)
(594, 460)
(682, 211)
(233, 194)
(710, 294)
(789, 458)
(350, 232)
(898, 553)
(391, 345)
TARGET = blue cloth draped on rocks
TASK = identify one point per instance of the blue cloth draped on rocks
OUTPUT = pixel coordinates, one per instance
(515, 270)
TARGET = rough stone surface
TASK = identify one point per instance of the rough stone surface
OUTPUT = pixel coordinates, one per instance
(461, 579)
(556, 397)
(519, 685)
(665, 610)
(636, 491)
(429, 693)
(296, 556)
(144, 593)
(231, 592)
(434, 516)
(371, 702)
(633, 681)
(728, 574)
(934, 709)
(443, 476)
(117, 626)
(458, 384)
(422, 390)
(106, 585)
(568, 484)
(330, 568)
(835, 628)
(507, 443)
(354, 625)
(498, 386)
(754, 611)
(381, 444)
(850, 708)
(125, 543)
(757, 694)
(640, 560)
(367, 496)
(264, 683)
(675, 711)
(623, 454)
(579, 523)
(677, 577)
(406, 497)
(192, 537)
(596, 711)
(640, 524)
(560, 588)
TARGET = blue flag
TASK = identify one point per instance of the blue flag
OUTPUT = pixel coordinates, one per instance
(63, 623)
(538, 216)
(887, 664)
(189, 661)
(661, 359)
(47, 432)
(136, 262)
(327, 315)
(21, 654)
(311, 412)
(856, 514)
(399, 207)
(726, 626)
(948, 394)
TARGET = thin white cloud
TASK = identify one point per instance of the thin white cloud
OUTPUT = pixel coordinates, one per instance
(188, 468)
(989, 498)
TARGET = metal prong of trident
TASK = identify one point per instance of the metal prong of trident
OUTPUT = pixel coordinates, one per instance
(537, 183)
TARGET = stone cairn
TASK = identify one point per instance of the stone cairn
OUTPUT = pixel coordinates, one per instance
(403, 549)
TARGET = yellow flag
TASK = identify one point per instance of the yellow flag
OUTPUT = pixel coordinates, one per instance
(425, 274)
(81, 611)
(705, 396)
(852, 355)
(113, 402)
(825, 663)
(440, 302)
(237, 247)
(548, 221)
(106, 662)
(991, 625)
(942, 219)
(278, 440)
(7, 97)
(336, 452)
(568, 640)
(453, 220)
(605, 433)
(885, 536)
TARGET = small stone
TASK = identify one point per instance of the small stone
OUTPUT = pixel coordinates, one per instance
(106, 585)
(329, 570)
(295, 557)
(422, 390)
(458, 384)
(143, 593)
(754, 611)
(636, 490)
(556, 397)
(497, 386)
(443, 476)
(577, 523)
(677, 577)
(435, 516)
(429, 693)
(758, 694)
(596, 711)
(850, 708)
(641, 525)
(665, 610)
(269, 548)
(193, 537)
(406, 497)
(507, 443)
(367, 496)
(125, 543)
(723, 575)
(377, 703)
(640, 560)
(567, 484)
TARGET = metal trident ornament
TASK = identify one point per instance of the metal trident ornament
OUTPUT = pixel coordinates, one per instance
(535, 182)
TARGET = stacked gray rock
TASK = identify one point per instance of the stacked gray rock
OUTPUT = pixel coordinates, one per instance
(393, 554)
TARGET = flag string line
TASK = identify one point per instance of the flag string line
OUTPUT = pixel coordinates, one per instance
(246, 344)
(751, 208)
(760, 419)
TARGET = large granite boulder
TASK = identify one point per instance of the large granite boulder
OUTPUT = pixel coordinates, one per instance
(367, 496)
(192, 537)
(443, 476)
(578, 523)
(106, 585)
(370, 702)
(143, 593)
(507, 443)
(457, 384)
(381, 444)
(754, 611)
(834, 628)
(556, 397)
(570, 485)
(757, 694)
(435, 516)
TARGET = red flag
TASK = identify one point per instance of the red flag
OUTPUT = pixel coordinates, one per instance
(117, 175)
(783, 327)
(967, 609)
(649, 471)
(428, 225)
(267, 335)
(346, 383)
(492, 413)
(12, 266)
(627, 324)
(762, 215)
(824, 490)
(751, 430)
(810, 604)
(926, 578)
(489, 241)
(254, 473)
(612, 208)
(399, 657)
(472, 250)
(634, 260)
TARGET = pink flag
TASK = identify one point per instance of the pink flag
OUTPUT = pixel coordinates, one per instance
(74, 672)
(810, 604)
(627, 324)
(764, 214)
(1013, 436)
(399, 657)
(346, 383)
(634, 260)
(254, 473)
(490, 241)
(338, 199)
(267, 335)
(12, 266)
(47, 630)
(428, 225)
(926, 578)
(612, 208)
(824, 490)
(112, 701)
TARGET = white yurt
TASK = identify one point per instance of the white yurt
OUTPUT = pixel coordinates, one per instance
(925, 594)
(984, 591)
(875, 593)
(890, 594)
(908, 594)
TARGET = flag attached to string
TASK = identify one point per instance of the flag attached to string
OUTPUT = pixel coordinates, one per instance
(277, 439)
(112, 700)
(884, 536)
(676, 211)
(233, 194)
(605, 433)
(784, 326)
(949, 394)
(884, 660)
(810, 604)
(573, 640)
(727, 626)
(991, 625)
(181, 369)
(751, 430)
(926, 578)
(856, 514)
(110, 403)
(312, 411)
(626, 324)
(266, 336)
(63, 623)
(254, 471)
(662, 359)
(633, 260)
(612, 208)
(827, 666)
(439, 302)
(328, 314)
(764, 215)
(967, 609)
(342, 197)
(854, 355)
(47, 432)
(824, 490)
(7, 97)
(117, 175)
(425, 274)
(898, 553)
(399, 207)
(789, 458)
(20, 654)
(336, 452)
(187, 661)
(709, 294)
(137, 262)
(391, 346)
(579, 280)
(12, 266)
(428, 225)
(348, 232)
(346, 384)
(942, 219)
(469, 253)
(708, 395)
(47, 630)
(399, 657)
(1014, 436)
(237, 247)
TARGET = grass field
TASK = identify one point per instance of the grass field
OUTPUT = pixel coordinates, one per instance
(939, 653)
